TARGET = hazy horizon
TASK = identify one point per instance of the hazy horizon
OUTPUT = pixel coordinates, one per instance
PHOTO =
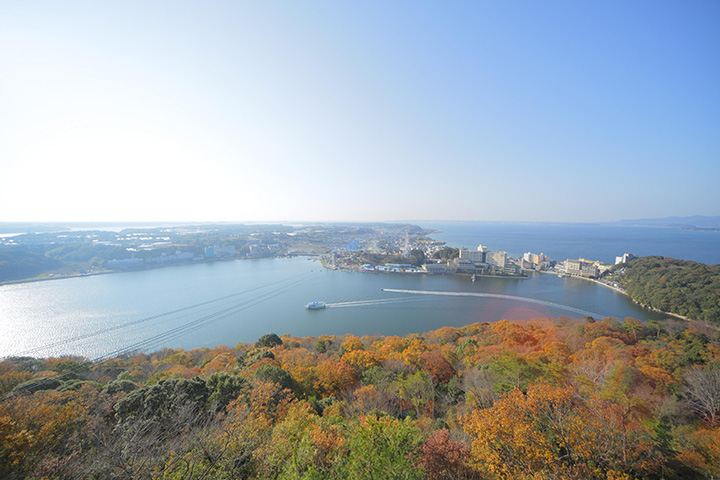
(552, 112)
(713, 218)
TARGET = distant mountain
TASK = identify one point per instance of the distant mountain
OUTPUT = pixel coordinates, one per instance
(695, 222)
(28, 227)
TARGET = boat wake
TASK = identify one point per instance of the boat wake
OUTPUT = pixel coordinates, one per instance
(367, 303)
(497, 295)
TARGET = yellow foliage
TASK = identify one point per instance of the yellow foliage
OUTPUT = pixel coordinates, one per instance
(352, 343)
(390, 346)
(411, 354)
(32, 426)
(551, 432)
(362, 359)
(220, 363)
(703, 451)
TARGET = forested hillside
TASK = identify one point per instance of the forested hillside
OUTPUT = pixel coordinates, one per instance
(25, 264)
(685, 288)
(571, 399)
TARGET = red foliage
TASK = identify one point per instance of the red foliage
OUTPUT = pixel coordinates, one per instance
(444, 459)
(437, 367)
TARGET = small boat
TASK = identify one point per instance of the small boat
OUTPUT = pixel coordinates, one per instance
(473, 277)
(315, 305)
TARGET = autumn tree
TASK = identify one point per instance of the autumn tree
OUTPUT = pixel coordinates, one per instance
(417, 392)
(303, 445)
(352, 343)
(436, 366)
(479, 387)
(37, 432)
(382, 447)
(334, 378)
(362, 360)
(444, 459)
(703, 391)
(550, 432)
(270, 340)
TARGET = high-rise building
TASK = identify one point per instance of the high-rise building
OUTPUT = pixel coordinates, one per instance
(624, 258)
(497, 259)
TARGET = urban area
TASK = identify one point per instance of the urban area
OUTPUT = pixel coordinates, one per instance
(366, 248)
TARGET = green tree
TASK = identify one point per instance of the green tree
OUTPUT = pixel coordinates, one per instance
(417, 257)
(383, 448)
(270, 340)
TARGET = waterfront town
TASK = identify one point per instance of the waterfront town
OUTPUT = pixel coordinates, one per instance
(366, 248)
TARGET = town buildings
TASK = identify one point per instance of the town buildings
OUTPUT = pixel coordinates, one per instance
(581, 268)
(624, 258)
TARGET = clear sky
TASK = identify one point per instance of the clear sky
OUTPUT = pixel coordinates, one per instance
(358, 111)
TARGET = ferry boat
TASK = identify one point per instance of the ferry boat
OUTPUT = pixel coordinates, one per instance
(315, 305)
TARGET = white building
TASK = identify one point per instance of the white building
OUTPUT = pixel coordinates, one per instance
(125, 264)
(497, 259)
(581, 268)
(626, 257)
(534, 258)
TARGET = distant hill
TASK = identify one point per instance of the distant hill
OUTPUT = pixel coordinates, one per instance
(20, 264)
(28, 227)
(698, 222)
(681, 287)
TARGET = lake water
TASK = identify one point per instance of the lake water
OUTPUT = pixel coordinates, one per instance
(241, 300)
(266, 296)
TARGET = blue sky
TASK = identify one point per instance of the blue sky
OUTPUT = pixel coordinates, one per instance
(358, 111)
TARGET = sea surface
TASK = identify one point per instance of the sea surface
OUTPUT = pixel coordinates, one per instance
(227, 302)
(590, 241)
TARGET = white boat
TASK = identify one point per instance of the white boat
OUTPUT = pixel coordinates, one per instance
(315, 305)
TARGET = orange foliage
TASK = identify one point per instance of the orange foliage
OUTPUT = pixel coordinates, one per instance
(703, 451)
(390, 346)
(302, 441)
(658, 376)
(514, 335)
(33, 427)
(334, 377)
(362, 359)
(607, 328)
(443, 335)
(352, 343)
(301, 364)
(180, 357)
(611, 349)
(223, 362)
(550, 432)
(443, 458)
(437, 367)
(10, 379)
(181, 371)
(367, 398)
(250, 371)
(412, 353)
(140, 359)
(557, 353)
(485, 355)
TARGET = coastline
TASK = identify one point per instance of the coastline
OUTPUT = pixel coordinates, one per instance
(624, 292)
(56, 277)
(355, 270)
(110, 272)
(379, 272)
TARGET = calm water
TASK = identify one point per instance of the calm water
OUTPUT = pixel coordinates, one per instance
(265, 296)
(238, 301)
(594, 242)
